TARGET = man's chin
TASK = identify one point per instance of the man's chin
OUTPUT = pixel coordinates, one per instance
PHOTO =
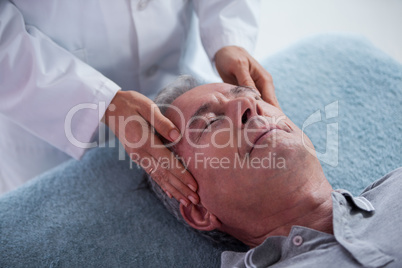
(283, 155)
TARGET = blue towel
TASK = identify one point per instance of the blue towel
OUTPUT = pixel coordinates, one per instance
(367, 86)
(97, 213)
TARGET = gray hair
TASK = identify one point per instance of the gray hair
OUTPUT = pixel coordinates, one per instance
(163, 100)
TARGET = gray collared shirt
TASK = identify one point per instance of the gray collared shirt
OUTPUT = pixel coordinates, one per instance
(363, 237)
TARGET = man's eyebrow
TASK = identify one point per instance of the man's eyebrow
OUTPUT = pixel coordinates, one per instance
(241, 89)
(236, 90)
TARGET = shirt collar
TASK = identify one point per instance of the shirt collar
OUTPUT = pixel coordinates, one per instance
(358, 202)
(274, 248)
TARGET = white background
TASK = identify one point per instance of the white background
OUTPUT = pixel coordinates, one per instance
(285, 21)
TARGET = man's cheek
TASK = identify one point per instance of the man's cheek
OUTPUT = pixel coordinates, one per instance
(222, 138)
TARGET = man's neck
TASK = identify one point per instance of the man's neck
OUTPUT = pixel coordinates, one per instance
(319, 218)
(316, 216)
(312, 209)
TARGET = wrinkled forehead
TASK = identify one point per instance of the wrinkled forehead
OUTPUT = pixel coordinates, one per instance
(184, 106)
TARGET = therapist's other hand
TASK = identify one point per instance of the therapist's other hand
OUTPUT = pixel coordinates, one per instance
(130, 116)
(236, 66)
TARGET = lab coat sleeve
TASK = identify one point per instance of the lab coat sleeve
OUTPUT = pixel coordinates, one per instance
(45, 89)
(227, 23)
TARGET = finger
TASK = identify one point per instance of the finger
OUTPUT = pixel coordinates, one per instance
(160, 154)
(176, 169)
(178, 189)
(175, 194)
(147, 166)
(152, 168)
(175, 187)
(268, 93)
(168, 194)
(150, 155)
(163, 176)
(243, 77)
(250, 83)
(270, 97)
(161, 123)
(264, 83)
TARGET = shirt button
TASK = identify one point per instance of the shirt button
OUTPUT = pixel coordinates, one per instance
(297, 240)
(142, 4)
(151, 71)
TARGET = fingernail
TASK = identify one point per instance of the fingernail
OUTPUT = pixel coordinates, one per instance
(184, 202)
(174, 135)
(168, 194)
(192, 199)
(192, 187)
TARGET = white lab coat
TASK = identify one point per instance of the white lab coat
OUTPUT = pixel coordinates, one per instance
(55, 55)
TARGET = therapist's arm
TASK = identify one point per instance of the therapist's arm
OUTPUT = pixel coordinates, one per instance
(229, 32)
(43, 86)
(61, 100)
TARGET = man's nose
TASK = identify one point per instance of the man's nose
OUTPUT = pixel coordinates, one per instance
(242, 109)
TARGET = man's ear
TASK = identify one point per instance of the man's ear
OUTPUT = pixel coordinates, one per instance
(198, 217)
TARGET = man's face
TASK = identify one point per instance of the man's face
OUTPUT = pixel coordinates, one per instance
(242, 151)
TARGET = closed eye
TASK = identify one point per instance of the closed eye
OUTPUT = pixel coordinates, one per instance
(211, 122)
(214, 121)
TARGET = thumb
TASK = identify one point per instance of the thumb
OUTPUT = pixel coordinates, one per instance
(163, 125)
(243, 77)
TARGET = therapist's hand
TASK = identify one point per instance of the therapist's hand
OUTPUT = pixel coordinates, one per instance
(236, 66)
(130, 116)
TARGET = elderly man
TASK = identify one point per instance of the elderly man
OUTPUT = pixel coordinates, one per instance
(259, 184)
